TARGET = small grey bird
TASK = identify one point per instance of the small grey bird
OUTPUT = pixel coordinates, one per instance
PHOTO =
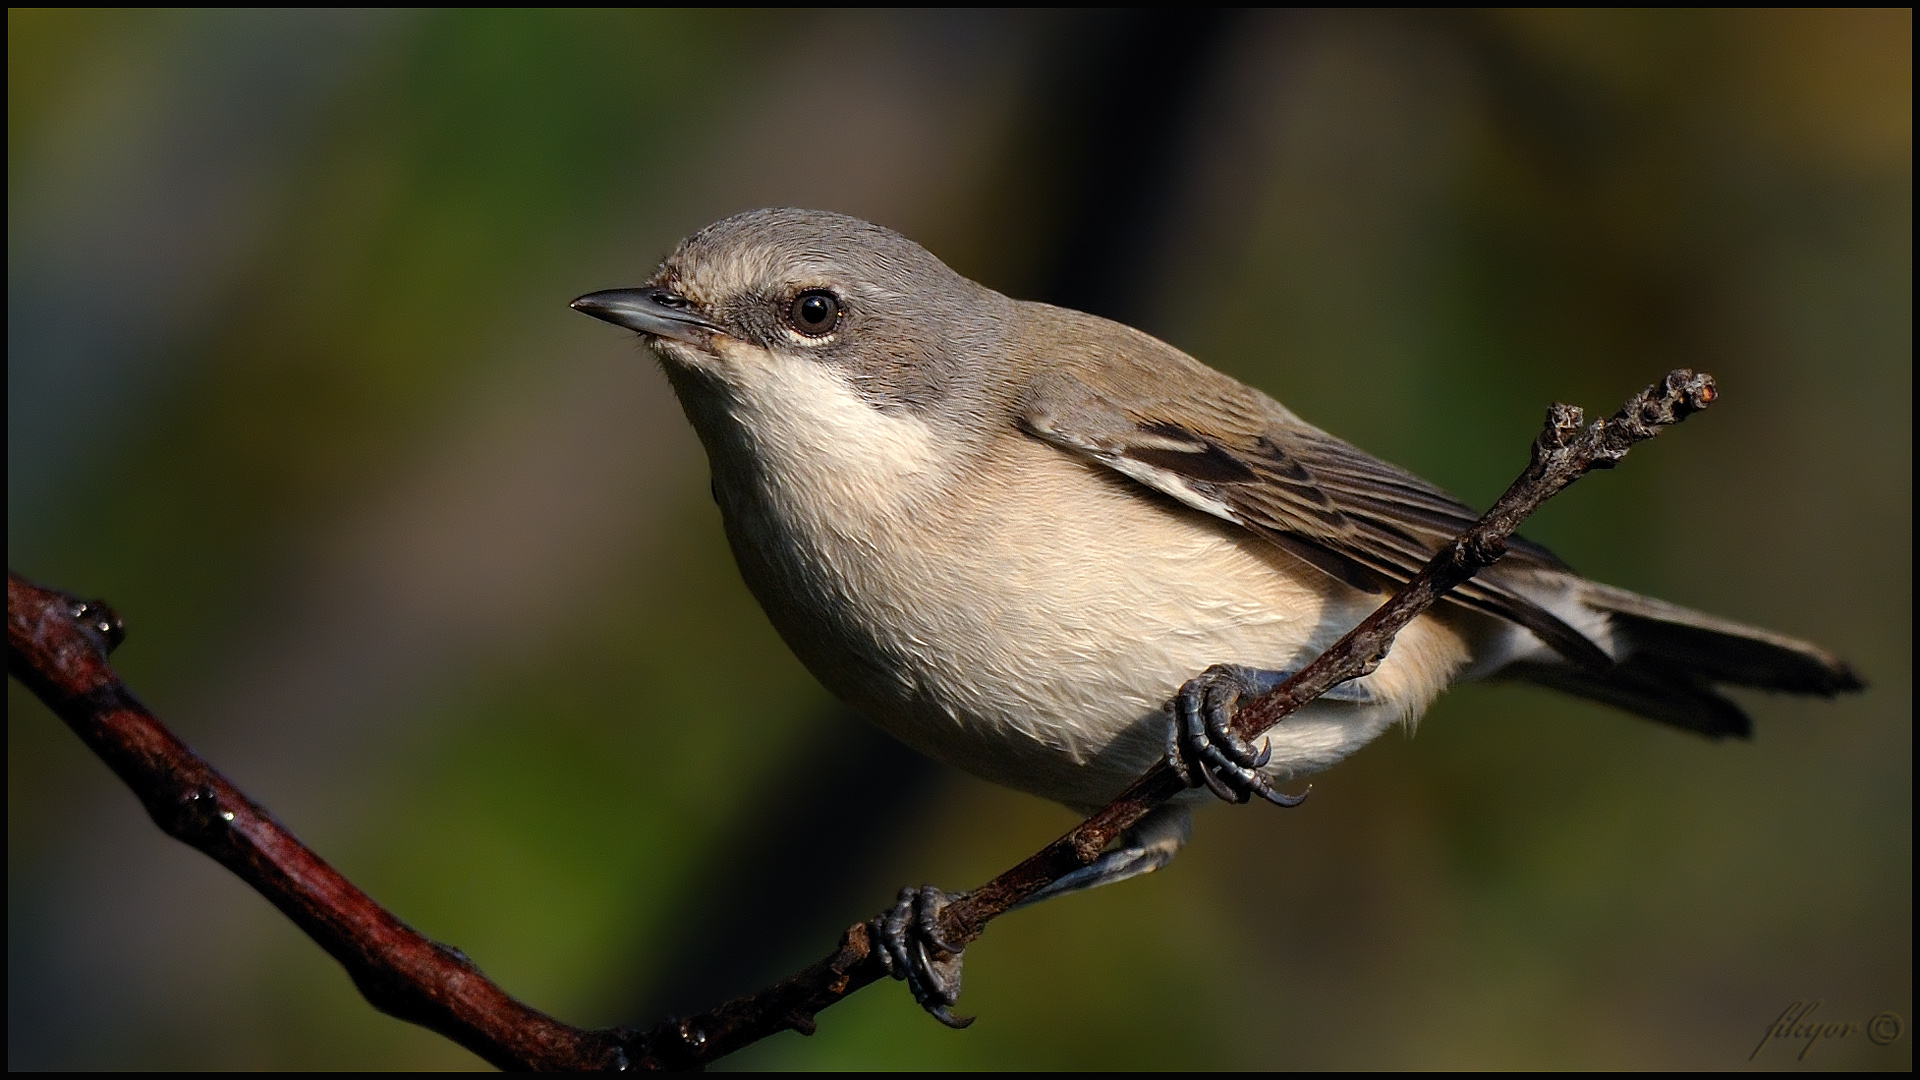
(1016, 536)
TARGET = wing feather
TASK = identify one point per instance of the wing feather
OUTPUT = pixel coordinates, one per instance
(1244, 458)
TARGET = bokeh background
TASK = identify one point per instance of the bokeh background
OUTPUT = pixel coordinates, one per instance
(425, 561)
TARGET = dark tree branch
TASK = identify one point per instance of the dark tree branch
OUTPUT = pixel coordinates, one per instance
(1561, 454)
(57, 647)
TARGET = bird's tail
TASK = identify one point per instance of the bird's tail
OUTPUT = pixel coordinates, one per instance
(1671, 659)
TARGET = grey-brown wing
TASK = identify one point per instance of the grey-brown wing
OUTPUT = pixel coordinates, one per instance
(1242, 457)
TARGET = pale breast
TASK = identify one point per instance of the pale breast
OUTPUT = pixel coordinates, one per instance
(1026, 620)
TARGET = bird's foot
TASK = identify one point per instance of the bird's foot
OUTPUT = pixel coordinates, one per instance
(1202, 746)
(913, 949)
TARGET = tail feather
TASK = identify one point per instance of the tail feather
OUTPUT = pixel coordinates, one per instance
(1721, 650)
(1671, 658)
(1644, 689)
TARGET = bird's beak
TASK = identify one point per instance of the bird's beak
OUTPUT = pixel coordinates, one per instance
(656, 311)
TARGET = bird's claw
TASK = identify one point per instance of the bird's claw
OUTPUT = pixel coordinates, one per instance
(1203, 747)
(913, 949)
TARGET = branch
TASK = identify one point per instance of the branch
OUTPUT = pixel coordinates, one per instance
(57, 647)
(1562, 453)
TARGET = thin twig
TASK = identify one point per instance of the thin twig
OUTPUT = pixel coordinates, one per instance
(57, 647)
(1562, 453)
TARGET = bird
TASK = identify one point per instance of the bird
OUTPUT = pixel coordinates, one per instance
(1050, 549)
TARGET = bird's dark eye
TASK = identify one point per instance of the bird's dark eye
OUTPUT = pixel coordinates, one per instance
(815, 312)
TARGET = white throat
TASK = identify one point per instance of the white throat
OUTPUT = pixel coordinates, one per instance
(812, 438)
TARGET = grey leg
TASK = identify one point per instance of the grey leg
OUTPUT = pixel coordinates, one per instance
(1146, 847)
(913, 950)
(1201, 744)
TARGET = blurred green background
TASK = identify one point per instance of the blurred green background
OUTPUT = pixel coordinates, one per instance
(425, 561)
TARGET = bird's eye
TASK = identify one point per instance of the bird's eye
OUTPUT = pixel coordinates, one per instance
(815, 312)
